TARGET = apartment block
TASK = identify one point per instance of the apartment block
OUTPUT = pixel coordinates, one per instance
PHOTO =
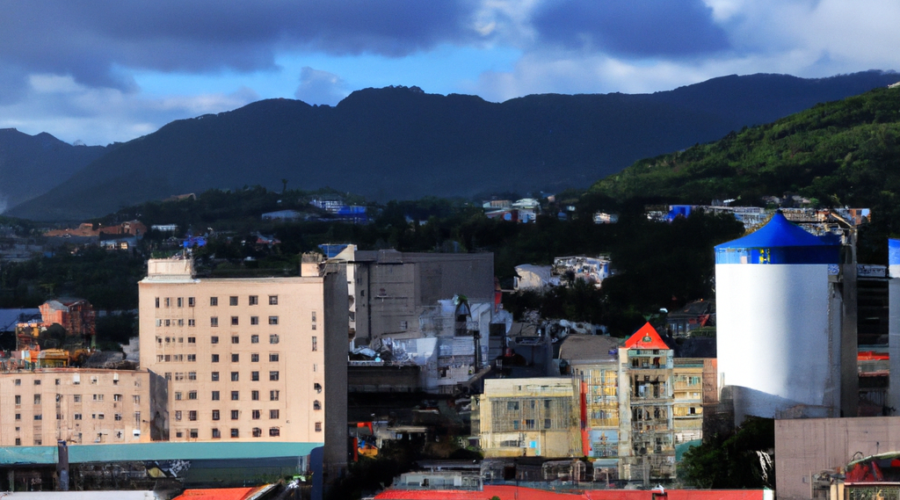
(646, 407)
(81, 406)
(249, 359)
(528, 417)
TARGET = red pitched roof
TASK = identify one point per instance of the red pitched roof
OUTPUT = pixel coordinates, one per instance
(646, 338)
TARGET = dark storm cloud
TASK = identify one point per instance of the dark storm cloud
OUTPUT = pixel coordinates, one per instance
(635, 28)
(90, 39)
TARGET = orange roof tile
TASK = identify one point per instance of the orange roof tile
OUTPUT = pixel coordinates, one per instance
(646, 338)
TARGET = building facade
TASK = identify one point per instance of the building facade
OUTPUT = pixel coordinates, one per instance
(249, 359)
(528, 417)
(81, 406)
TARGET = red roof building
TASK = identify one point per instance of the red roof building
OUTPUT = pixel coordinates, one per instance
(646, 338)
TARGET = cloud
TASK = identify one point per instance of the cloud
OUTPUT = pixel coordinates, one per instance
(89, 40)
(72, 111)
(633, 28)
(320, 87)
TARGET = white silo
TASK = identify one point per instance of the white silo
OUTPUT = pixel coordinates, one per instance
(779, 316)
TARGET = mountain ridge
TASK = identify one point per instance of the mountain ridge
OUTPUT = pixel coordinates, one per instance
(399, 142)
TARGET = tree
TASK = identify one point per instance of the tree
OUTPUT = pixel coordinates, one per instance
(728, 462)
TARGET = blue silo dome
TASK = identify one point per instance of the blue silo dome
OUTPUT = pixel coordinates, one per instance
(780, 242)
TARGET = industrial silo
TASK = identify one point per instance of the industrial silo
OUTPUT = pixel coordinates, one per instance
(893, 400)
(780, 312)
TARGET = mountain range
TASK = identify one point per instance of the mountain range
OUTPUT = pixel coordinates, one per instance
(401, 143)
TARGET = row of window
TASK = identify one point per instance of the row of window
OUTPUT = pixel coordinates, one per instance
(75, 416)
(235, 414)
(235, 339)
(235, 433)
(274, 395)
(213, 301)
(76, 380)
(235, 377)
(214, 321)
(76, 398)
(235, 358)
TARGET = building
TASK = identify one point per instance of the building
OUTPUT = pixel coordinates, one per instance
(389, 290)
(283, 216)
(249, 359)
(75, 315)
(794, 295)
(593, 361)
(646, 407)
(81, 406)
(528, 417)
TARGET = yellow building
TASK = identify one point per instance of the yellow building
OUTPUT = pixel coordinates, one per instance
(688, 405)
(81, 406)
(528, 417)
(249, 359)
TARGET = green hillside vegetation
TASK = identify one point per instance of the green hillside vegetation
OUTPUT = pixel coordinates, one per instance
(843, 153)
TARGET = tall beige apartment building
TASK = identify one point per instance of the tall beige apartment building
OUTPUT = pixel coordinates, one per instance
(81, 406)
(249, 359)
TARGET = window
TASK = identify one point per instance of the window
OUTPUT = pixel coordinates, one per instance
(254, 358)
(273, 376)
(215, 376)
(191, 322)
(273, 395)
(512, 405)
(157, 302)
(273, 320)
(254, 320)
(273, 414)
(159, 322)
(168, 323)
(273, 339)
(192, 395)
(273, 357)
(404, 325)
(235, 414)
(136, 398)
(192, 340)
(215, 414)
(315, 343)
(38, 381)
(190, 302)
(38, 417)
(318, 426)
(254, 339)
(213, 301)
(180, 302)
(98, 397)
(254, 376)
(274, 431)
(192, 415)
(235, 339)
(313, 316)
(117, 397)
(516, 424)
(179, 376)
(313, 327)
(254, 395)
(254, 300)
(234, 321)
(214, 340)
(235, 358)
(178, 434)
(317, 387)
(77, 416)
(192, 358)
(255, 414)
(18, 399)
(214, 321)
(215, 358)
(232, 301)
(216, 434)
(178, 396)
(77, 398)
(234, 376)
(18, 416)
(168, 375)
(317, 405)
(193, 433)
(215, 395)
(235, 433)
(529, 424)
(257, 432)
(235, 396)
(192, 375)
(168, 302)
(273, 300)
(18, 381)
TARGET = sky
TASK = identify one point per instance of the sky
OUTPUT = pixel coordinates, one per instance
(99, 72)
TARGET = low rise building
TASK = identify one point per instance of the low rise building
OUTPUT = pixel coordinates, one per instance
(528, 417)
(82, 406)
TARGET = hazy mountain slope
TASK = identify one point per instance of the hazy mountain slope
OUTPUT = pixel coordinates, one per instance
(402, 143)
(32, 165)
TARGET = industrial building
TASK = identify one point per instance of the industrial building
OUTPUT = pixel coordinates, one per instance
(786, 313)
(249, 359)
